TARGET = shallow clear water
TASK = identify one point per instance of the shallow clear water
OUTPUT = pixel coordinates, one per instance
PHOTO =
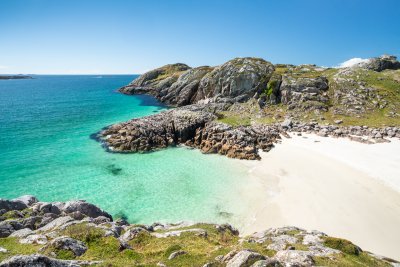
(45, 150)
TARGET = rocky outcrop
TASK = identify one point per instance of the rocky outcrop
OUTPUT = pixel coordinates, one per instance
(381, 63)
(103, 241)
(238, 79)
(178, 85)
(306, 93)
(192, 127)
(155, 80)
(352, 96)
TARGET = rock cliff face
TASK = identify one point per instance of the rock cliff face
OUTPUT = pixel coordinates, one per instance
(78, 234)
(178, 85)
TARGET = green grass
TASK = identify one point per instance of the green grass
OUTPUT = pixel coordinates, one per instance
(343, 245)
(345, 260)
(15, 248)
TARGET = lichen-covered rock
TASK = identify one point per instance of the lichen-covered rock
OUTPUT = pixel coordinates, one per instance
(245, 258)
(295, 258)
(239, 79)
(305, 93)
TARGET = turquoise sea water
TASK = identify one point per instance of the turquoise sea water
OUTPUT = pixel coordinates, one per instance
(45, 150)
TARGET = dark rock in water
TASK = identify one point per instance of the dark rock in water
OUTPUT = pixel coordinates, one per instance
(114, 169)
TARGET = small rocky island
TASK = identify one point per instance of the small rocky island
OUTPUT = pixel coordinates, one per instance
(77, 233)
(247, 104)
(14, 77)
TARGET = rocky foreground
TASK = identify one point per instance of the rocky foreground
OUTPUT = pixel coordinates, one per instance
(77, 233)
(247, 104)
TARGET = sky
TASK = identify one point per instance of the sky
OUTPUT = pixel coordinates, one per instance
(131, 37)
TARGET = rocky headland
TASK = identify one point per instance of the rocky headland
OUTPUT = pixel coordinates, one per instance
(77, 233)
(247, 104)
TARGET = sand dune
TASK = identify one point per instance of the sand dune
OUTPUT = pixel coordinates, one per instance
(338, 186)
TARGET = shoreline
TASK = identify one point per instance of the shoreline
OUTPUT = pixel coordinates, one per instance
(323, 183)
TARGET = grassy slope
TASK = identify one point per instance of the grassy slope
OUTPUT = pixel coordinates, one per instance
(387, 84)
(148, 250)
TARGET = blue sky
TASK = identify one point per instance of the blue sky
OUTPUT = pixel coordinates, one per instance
(94, 36)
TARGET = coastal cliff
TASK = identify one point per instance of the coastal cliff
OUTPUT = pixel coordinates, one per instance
(77, 233)
(247, 104)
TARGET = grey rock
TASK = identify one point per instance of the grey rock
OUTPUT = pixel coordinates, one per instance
(37, 260)
(8, 227)
(101, 219)
(34, 239)
(381, 63)
(175, 254)
(295, 258)
(267, 263)
(3, 250)
(132, 233)
(56, 223)
(31, 222)
(85, 208)
(8, 205)
(28, 200)
(199, 232)
(245, 258)
(22, 233)
(240, 78)
(46, 207)
(287, 123)
(66, 243)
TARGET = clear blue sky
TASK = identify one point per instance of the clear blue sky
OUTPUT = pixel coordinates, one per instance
(95, 36)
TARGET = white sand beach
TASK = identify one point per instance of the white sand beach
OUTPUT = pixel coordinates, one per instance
(341, 187)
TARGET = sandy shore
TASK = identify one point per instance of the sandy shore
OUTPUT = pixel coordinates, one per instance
(338, 186)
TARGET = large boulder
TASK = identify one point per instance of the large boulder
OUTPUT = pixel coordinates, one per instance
(85, 208)
(238, 79)
(245, 258)
(28, 200)
(8, 227)
(8, 205)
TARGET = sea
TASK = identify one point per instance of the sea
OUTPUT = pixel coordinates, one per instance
(46, 150)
